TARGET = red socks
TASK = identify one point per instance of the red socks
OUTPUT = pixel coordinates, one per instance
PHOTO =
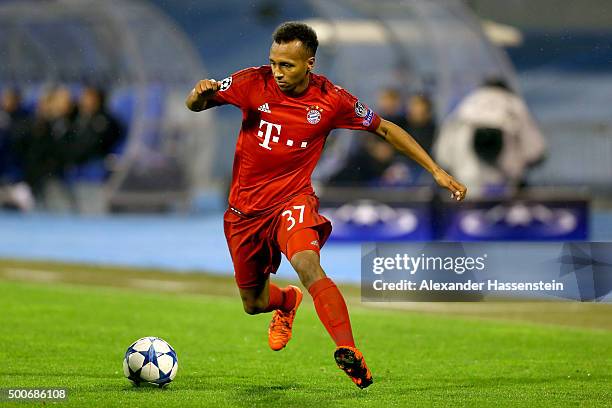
(332, 311)
(328, 302)
(283, 299)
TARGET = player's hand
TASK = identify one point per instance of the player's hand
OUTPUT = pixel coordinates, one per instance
(458, 190)
(207, 88)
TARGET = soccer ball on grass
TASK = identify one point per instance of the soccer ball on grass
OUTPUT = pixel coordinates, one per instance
(150, 360)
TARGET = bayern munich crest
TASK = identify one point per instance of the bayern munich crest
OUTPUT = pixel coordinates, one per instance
(313, 115)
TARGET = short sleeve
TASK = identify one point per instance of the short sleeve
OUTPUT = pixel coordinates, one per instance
(353, 114)
(234, 90)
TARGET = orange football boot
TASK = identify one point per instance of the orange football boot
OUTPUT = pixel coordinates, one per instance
(279, 332)
(351, 361)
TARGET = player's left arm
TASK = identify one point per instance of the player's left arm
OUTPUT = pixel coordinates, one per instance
(403, 142)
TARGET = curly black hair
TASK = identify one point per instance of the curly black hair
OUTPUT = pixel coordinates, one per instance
(293, 30)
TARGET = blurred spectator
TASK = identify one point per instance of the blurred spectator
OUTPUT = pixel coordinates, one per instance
(14, 127)
(64, 139)
(63, 124)
(372, 163)
(389, 106)
(97, 132)
(490, 140)
(420, 121)
(46, 151)
(43, 151)
(36, 149)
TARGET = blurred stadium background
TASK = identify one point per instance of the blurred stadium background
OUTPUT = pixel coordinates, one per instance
(154, 198)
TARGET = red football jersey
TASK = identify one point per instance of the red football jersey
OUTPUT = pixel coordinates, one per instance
(282, 137)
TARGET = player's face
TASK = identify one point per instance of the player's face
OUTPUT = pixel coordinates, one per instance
(291, 63)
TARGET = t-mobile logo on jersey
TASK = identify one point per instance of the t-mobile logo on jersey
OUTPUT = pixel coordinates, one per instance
(267, 135)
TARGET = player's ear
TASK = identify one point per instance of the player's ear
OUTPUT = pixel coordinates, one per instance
(311, 63)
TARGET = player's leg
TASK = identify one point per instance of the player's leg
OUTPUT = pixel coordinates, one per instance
(284, 302)
(267, 297)
(255, 299)
(259, 295)
(301, 232)
(329, 304)
(281, 325)
(254, 260)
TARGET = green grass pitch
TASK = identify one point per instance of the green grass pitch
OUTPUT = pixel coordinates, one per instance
(74, 336)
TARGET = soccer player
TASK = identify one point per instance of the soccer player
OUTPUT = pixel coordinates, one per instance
(287, 113)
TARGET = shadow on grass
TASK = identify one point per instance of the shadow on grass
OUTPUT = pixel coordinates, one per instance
(504, 382)
(291, 394)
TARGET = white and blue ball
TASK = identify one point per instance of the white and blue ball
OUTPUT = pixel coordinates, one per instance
(150, 360)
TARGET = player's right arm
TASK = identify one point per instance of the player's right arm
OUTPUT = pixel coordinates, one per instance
(202, 92)
(405, 143)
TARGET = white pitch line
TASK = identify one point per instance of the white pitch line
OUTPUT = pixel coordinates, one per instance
(36, 275)
(39, 275)
(163, 285)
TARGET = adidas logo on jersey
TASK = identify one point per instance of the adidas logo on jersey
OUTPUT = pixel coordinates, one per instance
(264, 108)
(315, 243)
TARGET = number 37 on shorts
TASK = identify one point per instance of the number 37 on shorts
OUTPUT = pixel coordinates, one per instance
(291, 220)
(300, 213)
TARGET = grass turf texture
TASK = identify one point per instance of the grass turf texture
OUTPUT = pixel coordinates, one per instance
(64, 335)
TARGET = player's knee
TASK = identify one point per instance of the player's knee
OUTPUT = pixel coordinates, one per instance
(307, 266)
(252, 306)
(305, 262)
(251, 310)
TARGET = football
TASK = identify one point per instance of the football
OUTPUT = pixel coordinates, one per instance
(150, 360)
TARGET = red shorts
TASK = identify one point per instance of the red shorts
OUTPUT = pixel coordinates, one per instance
(256, 243)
